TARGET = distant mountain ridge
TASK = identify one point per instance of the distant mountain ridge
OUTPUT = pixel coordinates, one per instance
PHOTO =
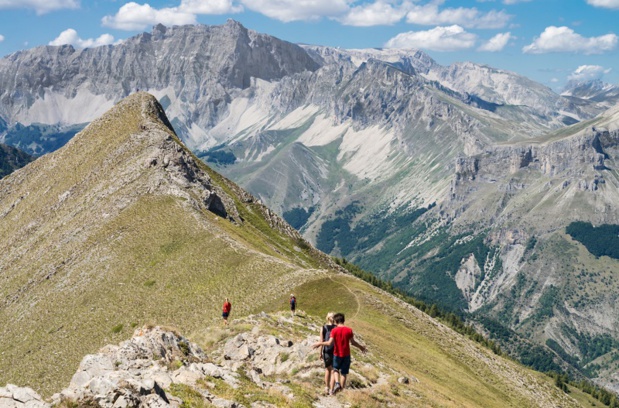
(594, 90)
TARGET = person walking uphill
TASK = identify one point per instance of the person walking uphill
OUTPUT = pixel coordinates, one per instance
(226, 311)
(341, 338)
(293, 304)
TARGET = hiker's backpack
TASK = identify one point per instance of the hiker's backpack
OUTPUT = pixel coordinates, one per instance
(327, 334)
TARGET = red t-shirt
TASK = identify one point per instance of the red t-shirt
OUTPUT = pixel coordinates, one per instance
(341, 340)
(227, 307)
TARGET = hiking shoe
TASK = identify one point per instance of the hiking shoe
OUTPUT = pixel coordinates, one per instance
(337, 388)
(327, 391)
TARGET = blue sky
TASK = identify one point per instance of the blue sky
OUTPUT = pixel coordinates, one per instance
(550, 41)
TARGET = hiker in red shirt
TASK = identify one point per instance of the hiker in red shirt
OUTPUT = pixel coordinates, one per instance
(226, 311)
(341, 338)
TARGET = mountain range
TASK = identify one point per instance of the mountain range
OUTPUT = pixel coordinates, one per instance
(456, 183)
(124, 230)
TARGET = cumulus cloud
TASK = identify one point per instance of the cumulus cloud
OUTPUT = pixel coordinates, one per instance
(378, 13)
(496, 43)
(295, 10)
(1, 38)
(588, 73)
(564, 39)
(209, 7)
(429, 14)
(611, 4)
(70, 36)
(514, 1)
(133, 16)
(452, 38)
(40, 6)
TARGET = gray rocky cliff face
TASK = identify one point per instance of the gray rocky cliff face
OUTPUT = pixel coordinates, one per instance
(203, 65)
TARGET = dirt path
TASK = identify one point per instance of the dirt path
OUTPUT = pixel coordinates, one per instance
(352, 293)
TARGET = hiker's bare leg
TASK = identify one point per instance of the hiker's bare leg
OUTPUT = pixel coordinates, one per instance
(343, 381)
(335, 377)
(328, 377)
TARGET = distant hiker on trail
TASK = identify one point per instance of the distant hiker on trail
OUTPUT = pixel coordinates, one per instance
(293, 304)
(226, 311)
(341, 338)
(326, 352)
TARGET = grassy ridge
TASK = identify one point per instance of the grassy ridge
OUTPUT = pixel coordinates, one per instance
(93, 245)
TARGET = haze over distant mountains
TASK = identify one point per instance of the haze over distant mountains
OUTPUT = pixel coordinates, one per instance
(455, 182)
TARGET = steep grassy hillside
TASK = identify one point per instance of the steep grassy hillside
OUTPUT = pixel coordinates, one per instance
(124, 227)
(113, 231)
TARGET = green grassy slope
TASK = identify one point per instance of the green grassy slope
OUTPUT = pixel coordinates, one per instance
(108, 233)
(452, 370)
(94, 242)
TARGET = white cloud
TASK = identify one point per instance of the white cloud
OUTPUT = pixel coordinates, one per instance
(589, 72)
(294, 10)
(40, 6)
(452, 38)
(209, 7)
(429, 14)
(379, 13)
(133, 16)
(564, 39)
(611, 4)
(70, 36)
(1, 38)
(496, 43)
(514, 1)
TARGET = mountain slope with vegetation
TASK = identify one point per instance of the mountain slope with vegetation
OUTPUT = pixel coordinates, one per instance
(124, 227)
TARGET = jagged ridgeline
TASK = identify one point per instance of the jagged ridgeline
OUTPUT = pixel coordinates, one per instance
(123, 227)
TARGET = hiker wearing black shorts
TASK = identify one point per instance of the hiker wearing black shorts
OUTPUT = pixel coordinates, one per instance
(326, 353)
(341, 338)
(293, 304)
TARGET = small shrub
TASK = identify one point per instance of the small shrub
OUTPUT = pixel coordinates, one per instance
(284, 357)
(150, 283)
(191, 398)
(117, 329)
(184, 347)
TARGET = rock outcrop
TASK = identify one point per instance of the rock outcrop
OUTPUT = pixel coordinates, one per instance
(137, 372)
(150, 368)
(12, 396)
